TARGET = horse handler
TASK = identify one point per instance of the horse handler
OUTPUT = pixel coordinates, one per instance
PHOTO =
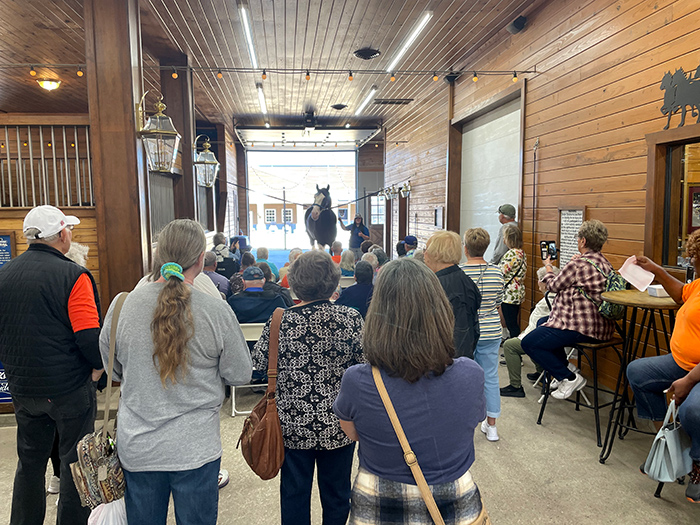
(358, 233)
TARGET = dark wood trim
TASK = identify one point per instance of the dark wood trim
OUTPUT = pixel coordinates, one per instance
(20, 213)
(489, 104)
(242, 180)
(113, 57)
(657, 153)
(178, 96)
(453, 183)
(221, 186)
(403, 217)
(53, 119)
(388, 248)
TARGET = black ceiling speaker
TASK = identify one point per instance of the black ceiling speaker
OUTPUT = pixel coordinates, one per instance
(338, 107)
(367, 53)
(517, 25)
(450, 78)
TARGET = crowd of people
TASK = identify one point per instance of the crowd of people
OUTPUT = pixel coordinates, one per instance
(179, 343)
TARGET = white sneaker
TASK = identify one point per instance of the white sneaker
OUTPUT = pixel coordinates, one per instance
(569, 386)
(54, 485)
(489, 430)
(553, 384)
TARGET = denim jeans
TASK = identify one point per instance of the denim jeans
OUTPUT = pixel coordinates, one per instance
(649, 377)
(486, 355)
(334, 485)
(545, 346)
(38, 419)
(195, 495)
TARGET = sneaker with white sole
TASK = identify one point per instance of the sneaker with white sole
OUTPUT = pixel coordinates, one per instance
(489, 430)
(54, 485)
(569, 386)
(223, 478)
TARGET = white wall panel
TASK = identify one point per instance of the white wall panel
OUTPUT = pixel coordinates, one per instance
(490, 168)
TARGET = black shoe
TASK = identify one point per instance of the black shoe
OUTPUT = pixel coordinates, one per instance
(511, 391)
(533, 376)
(641, 468)
(502, 362)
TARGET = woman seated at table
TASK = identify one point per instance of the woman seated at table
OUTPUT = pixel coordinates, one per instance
(679, 371)
(575, 317)
(438, 399)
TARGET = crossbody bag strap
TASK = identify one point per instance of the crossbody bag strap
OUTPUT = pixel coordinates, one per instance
(112, 350)
(515, 274)
(273, 351)
(408, 455)
(580, 288)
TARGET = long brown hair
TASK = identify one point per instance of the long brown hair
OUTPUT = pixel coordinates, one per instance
(182, 241)
(409, 330)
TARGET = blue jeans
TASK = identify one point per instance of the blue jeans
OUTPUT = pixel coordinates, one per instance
(195, 495)
(38, 420)
(649, 377)
(334, 485)
(486, 355)
(545, 346)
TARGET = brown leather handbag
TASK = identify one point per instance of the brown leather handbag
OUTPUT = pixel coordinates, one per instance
(261, 439)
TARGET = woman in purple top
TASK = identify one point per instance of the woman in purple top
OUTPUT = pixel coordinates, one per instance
(439, 401)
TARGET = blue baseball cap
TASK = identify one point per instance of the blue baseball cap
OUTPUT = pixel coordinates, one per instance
(253, 273)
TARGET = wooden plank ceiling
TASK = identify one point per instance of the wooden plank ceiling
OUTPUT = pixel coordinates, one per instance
(314, 34)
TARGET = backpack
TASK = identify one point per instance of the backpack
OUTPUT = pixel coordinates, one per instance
(613, 282)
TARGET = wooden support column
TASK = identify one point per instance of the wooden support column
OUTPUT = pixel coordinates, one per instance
(113, 57)
(242, 177)
(179, 97)
(453, 196)
(221, 186)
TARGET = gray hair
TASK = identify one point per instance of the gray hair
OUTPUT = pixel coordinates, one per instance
(419, 255)
(594, 233)
(78, 253)
(337, 245)
(209, 259)
(263, 253)
(219, 238)
(542, 271)
(313, 276)
(31, 235)
(372, 259)
(294, 253)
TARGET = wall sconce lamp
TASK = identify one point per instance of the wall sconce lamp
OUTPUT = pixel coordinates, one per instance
(405, 190)
(206, 166)
(160, 139)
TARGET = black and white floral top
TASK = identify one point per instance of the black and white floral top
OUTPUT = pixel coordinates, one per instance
(318, 342)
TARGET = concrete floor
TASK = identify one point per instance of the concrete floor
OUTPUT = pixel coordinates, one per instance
(546, 474)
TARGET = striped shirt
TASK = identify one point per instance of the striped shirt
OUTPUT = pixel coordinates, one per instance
(489, 280)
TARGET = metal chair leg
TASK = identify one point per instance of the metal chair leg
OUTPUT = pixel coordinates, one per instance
(545, 396)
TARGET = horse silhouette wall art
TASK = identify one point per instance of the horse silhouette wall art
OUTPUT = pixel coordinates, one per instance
(320, 219)
(681, 90)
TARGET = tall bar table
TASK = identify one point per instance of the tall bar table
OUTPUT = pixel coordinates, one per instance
(634, 338)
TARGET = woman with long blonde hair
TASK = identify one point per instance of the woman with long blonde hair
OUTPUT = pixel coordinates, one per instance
(175, 349)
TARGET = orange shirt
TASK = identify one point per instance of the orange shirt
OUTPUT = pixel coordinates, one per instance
(685, 340)
(336, 259)
(82, 309)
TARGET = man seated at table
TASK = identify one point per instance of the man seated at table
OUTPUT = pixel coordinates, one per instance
(575, 317)
(359, 295)
(254, 304)
(678, 371)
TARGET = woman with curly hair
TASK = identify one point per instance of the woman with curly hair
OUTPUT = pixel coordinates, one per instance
(678, 371)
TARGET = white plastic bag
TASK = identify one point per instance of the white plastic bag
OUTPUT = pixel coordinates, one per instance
(109, 514)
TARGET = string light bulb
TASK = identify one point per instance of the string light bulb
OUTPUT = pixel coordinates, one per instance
(32, 71)
(435, 77)
(515, 77)
(24, 143)
(350, 77)
(393, 78)
(174, 74)
(264, 75)
(475, 78)
(219, 74)
(308, 75)
(48, 144)
(80, 72)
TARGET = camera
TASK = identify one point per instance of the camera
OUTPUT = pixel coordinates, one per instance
(548, 249)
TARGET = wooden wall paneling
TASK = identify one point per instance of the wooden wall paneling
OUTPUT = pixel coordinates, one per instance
(179, 97)
(113, 52)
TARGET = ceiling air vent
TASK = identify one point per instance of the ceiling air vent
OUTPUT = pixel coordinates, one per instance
(393, 101)
(338, 107)
(367, 53)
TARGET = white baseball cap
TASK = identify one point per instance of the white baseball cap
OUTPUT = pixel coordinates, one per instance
(48, 220)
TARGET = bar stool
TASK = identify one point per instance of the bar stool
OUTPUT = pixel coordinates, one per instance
(590, 352)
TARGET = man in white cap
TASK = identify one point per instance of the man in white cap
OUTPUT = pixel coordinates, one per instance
(506, 215)
(49, 331)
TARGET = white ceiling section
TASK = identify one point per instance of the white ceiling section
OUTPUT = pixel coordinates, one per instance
(298, 139)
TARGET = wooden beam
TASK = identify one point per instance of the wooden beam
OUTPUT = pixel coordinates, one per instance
(52, 119)
(453, 186)
(178, 96)
(242, 179)
(221, 199)
(113, 56)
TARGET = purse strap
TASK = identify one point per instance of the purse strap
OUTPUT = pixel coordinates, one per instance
(408, 455)
(112, 350)
(273, 351)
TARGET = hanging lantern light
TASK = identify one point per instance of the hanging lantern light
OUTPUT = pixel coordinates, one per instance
(161, 140)
(405, 190)
(206, 166)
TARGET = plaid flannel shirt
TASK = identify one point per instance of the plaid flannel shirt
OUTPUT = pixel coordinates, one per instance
(571, 310)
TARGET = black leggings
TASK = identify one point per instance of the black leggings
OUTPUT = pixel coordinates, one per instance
(510, 314)
(55, 458)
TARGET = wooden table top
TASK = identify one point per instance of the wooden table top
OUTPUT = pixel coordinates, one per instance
(640, 299)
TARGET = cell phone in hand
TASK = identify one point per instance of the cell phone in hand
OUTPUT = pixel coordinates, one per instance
(544, 249)
(548, 249)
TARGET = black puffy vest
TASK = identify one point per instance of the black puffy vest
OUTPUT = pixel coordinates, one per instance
(37, 345)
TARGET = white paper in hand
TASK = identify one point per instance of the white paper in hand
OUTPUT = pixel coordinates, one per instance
(636, 275)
